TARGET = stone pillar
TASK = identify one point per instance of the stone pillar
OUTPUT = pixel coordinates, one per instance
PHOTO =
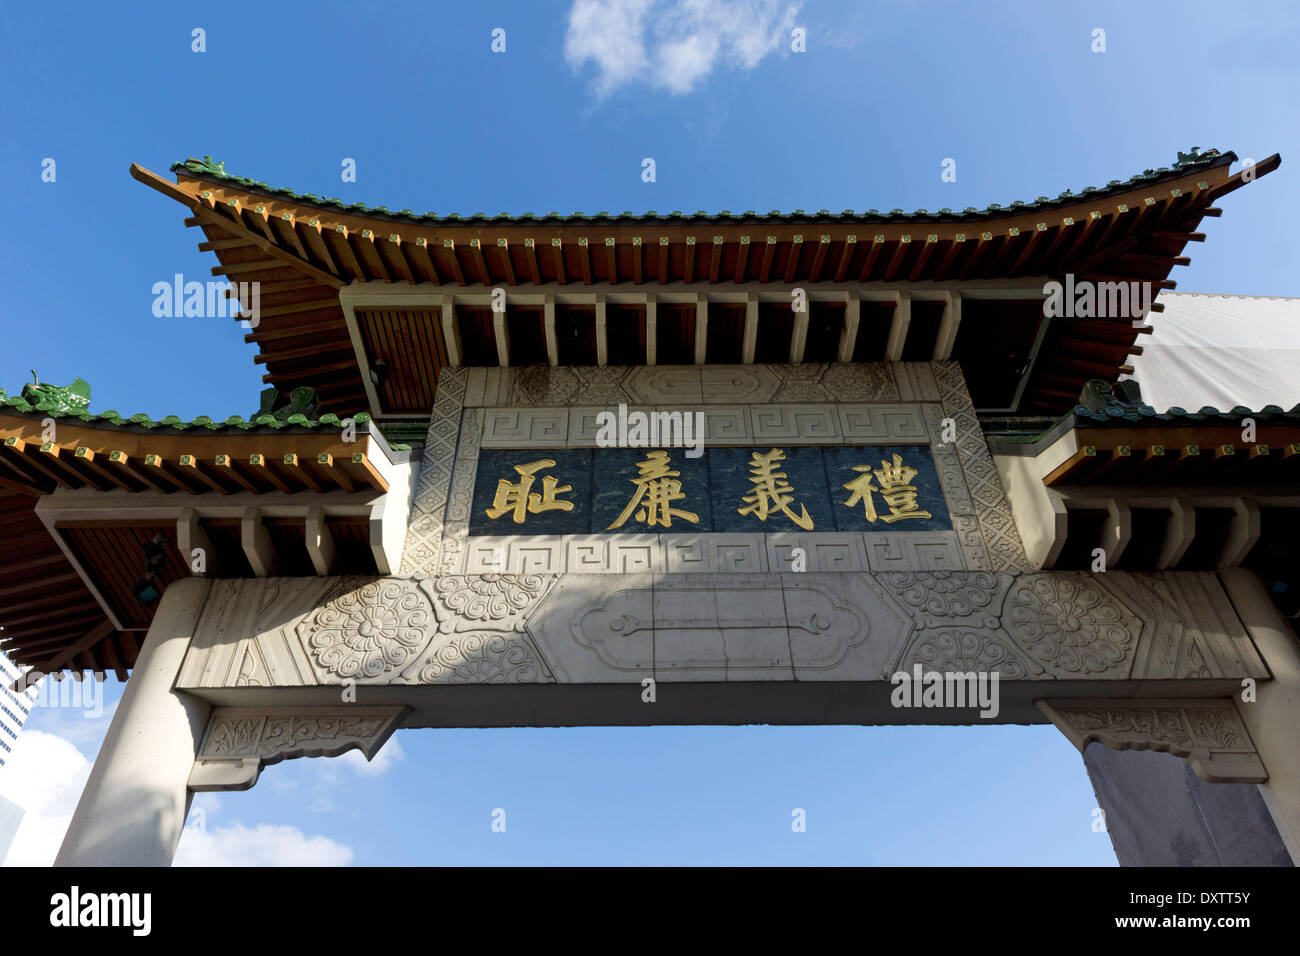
(1160, 813)
(135, 803)
(1273, 718)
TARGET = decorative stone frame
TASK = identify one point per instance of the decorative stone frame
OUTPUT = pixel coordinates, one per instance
(897, 403)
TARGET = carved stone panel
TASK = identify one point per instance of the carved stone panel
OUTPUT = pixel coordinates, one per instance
(992, 511)
(551, 408)
(738, 383)
(535, 385)
(287, 632)
(618, 554)
(712, 627)
(882, 424)
(714, 552)
(369, 631)
(1209, 733)
(796, 424)
(1070, 625)
(240, 741)
(929, 550)
(525, 427)
(666, 385)
(424, 546)
(816, 552)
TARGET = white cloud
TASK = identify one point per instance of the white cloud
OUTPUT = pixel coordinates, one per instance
(45, 776)
(389, 754)
(672, 44)
(328, 769)
(325, 774)
(80, 726)
(263, 845)
(280, 784)
(208, 802)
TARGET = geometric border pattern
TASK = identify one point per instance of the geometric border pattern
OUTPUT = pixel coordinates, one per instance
(1006, 552)
(983, 536)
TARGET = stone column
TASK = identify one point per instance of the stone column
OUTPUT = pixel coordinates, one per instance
(135, 803)
(1273, 718)
(1160, 813)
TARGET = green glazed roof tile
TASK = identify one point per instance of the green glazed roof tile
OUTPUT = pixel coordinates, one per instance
(1146, 415)
(208, 169)
(51, 409)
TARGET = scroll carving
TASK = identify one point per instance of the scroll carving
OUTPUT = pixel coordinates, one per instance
(240, 741)
(1209, 733)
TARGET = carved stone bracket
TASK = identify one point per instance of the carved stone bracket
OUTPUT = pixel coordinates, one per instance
(1209, 733)
(240, 741)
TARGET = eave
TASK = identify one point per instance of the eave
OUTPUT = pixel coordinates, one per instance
(1170, 467)
(303, 250)
(77, 514)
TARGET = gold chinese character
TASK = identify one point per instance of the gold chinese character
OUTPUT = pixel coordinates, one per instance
(518, 498)
(896, 490)
(862, 488)
(657, 486)
(772, 490)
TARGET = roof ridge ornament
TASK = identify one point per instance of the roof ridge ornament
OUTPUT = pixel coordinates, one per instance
(1100, 397)
(280, 408)
(206, 165)
(71, 399)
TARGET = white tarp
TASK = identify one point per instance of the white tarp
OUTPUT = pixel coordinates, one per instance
(1220, 350)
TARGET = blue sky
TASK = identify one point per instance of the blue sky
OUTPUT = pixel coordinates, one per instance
(562, 121)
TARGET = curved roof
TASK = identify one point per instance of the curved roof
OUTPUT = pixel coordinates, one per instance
(141, 422)
(207, 168)
(302, 249)
(1125, 415)
(51, 617)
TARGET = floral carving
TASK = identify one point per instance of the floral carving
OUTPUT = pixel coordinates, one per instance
(1068, 623)
(945, 593)
(484, 659)
(969, 651)
(1195, 665)
(308, 736)
(233, 737)
(801, 383)
(1165, 724)
(600, 385)
(1216, 728)
(1209, 733)
(248, 671)
(488, 597)
(860, 382)
(544, 385)
(240, 741)
(369, 631)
